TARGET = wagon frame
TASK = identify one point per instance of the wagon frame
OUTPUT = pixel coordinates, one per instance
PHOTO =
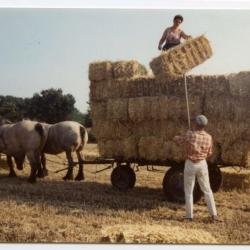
(123, 176)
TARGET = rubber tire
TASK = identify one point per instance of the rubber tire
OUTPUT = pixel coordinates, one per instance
(175, 193)
(123, 177)
(215, 177)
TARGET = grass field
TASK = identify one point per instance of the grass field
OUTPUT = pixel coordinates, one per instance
(53, 210)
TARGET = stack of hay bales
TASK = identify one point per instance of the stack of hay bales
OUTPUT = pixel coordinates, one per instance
(135, 116)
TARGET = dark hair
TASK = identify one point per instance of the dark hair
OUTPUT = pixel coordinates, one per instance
(178, 17)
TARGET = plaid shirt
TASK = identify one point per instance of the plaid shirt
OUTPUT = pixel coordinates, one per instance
(198, 144)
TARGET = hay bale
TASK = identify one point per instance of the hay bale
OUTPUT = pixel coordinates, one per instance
(239, 84)
(148, 233)
(150, 148)
(236, 154)
(220, 107)
(128, 69)
(182, 58)
(164, 129)
(162, 108)
(119, 149)
(177, 109)
(99, 91)
(225, 132)
(98, 110)
(111, 130)
(148, 108)
(110, 148)
(174, 152)
(99, 71)
(133, 87)
(235, 179)
(117, 109)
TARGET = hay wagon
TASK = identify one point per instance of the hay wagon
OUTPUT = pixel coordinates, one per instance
(135, 115)
(123, 176)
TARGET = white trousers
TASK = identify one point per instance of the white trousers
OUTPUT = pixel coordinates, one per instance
(199, 170)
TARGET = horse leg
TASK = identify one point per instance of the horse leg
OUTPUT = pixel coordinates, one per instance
(12, 172)
(35, 163)
(42, 171)
(69, 174)
(45, 170)
(80, 175)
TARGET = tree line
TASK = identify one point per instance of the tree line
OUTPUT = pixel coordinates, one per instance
(49, 106)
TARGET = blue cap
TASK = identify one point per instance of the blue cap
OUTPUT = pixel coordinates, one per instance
(201, 120)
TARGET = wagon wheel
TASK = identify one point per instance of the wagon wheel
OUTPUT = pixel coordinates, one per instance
(123, 177)
(215, 177)
(173, 186)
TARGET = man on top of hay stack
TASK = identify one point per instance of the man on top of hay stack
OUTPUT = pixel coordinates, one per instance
(198, 145)
(172, 35)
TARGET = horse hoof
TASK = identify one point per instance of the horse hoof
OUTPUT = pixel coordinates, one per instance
(12, 174)
(79, 178)
(45, 172)
(40, 175)
(68, 177)
(32, 180)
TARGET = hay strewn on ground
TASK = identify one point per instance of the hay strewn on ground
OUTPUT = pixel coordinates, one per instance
(148, 233)
(152, 110)
(182, 58)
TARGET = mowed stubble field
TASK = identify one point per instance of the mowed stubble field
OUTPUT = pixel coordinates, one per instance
(53, 210)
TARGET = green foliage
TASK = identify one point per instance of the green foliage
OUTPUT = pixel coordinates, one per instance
(12, 108)
(50, 105)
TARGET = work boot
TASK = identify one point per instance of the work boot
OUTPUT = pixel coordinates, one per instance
(187, 218)
(215, 218)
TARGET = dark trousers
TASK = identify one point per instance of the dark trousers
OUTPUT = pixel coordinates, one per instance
(169, 45)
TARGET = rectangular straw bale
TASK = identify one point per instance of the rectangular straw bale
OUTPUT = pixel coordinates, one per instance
(225, 132)
(216, 85)
(177, 109)
(165, 129)
(174, 152)
(98, 110)
(128, 69)
(236, 154)
(141, 86)
(161, 108)
(110, 149)
(117, 109)
(99, 91)
(171, 85)
(147, 108)
(111, 130)
(99, 71)
(119, 149)
(136, 108)
(182, 58)
(225, 108)
(150, 147)
(130, 148)
(239, 84)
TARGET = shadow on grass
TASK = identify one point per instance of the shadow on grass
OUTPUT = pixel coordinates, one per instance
(87, 195)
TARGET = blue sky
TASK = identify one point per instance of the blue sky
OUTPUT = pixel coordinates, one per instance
(44, 48)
